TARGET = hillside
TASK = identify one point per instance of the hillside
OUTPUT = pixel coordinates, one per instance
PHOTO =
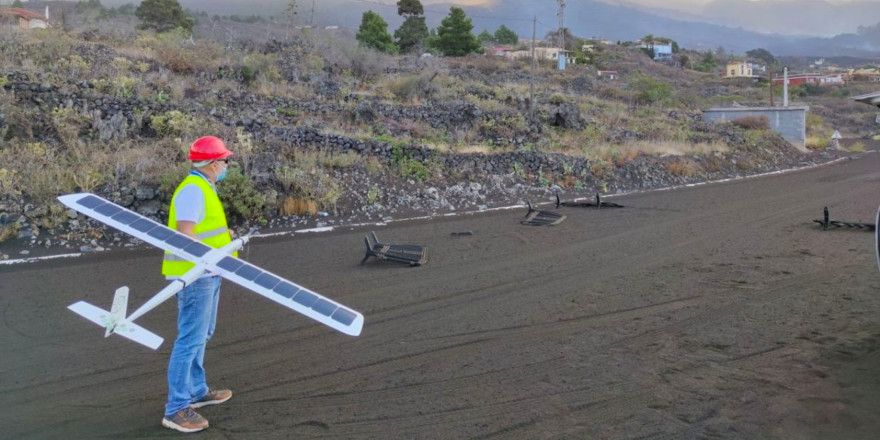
(325, 131)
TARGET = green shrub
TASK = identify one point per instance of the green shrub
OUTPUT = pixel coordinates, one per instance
(856, 147)
(75, 66)
(650, 91)
(70, 125)
(373, 194)
(412, 87)
(124, 86)
(408, 167)
(240, 196)
(306, 180)
(172, 123)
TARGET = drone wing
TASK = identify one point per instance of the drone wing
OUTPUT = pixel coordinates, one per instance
(290, 295)
(137, 226)
(274, 287)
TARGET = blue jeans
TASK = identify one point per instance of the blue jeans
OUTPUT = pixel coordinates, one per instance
(197, 316)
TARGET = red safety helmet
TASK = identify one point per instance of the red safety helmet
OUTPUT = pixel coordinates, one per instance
(208, 148)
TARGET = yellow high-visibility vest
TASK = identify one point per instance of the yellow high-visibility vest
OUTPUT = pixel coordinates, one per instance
(212, 230)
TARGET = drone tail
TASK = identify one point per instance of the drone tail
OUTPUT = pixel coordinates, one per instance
(115, 322)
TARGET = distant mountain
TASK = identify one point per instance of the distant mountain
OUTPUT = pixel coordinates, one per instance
(594, 18)
(805, 17)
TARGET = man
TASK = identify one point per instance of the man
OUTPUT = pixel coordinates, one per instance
(197, 212)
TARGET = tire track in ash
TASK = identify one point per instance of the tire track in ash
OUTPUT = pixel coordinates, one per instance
(777, 293)
(705, 317)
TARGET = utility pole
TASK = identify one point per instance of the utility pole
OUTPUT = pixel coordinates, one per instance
(312, 18)
(532, 80)
(561, 15)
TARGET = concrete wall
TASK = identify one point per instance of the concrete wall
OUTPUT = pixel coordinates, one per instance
(790, 122)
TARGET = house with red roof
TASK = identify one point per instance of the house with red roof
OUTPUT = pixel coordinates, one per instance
(26, 19)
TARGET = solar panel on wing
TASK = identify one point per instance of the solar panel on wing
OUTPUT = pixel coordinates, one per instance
(286, 289)
(230, 264)
(248, 272)
(324, 307)
(267, 280)
(126, 217)
(108, 209)
(160, 234)
(90, 202)
(143, 225)
(197, 249)
(344, 316)
(305, 298)
(179, 241)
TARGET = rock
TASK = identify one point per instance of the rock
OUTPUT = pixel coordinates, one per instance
(25, 252)
(364, 112)
(149, 208)
(145, 193)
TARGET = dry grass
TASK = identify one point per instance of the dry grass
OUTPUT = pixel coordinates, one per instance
(682, 167)
(475, 149)
(679, 148)
(817, 142)
(298, 206)
(619, 155)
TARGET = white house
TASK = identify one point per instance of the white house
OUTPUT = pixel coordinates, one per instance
(541, 53)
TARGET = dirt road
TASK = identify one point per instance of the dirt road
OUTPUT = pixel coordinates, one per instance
(718, 311)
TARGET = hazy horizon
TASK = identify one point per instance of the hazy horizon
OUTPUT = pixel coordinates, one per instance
(792, 17)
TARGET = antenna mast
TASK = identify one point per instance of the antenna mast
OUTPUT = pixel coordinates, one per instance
(561, 15)
(312, 19)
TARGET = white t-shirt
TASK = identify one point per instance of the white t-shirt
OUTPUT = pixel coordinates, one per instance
(189, 204)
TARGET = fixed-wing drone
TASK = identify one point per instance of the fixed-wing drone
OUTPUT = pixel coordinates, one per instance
(206, 258)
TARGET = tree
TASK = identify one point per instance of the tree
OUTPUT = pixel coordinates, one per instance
(162, 15)
(708, 63)
(485, 37)
(721, 55)
(762, 55)
(454, 37)
(503, 35)
(684, 60)
(17, 4)
(411, 34)
(410, 8)
(374, 33)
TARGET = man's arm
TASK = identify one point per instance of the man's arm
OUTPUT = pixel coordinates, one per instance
(187, 228)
